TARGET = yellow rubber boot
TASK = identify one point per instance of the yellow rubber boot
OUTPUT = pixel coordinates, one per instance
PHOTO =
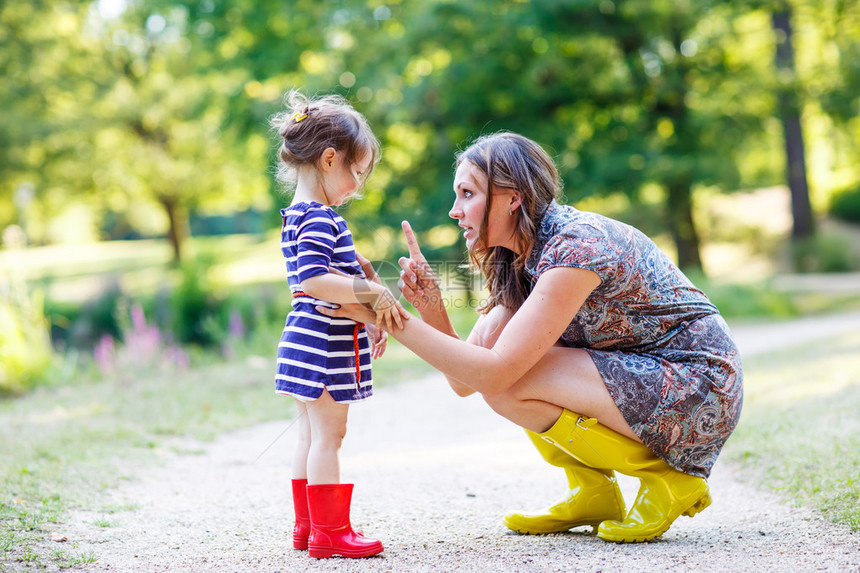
(593, 496)
(664, 493)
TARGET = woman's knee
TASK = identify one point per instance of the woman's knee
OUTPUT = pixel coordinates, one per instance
(503, 402)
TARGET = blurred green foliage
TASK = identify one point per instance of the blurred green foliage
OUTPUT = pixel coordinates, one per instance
(194, 306)
(845, 205)
(824, 253)
(192, 311)
(748, 301)
(150, 112)
(26, 354)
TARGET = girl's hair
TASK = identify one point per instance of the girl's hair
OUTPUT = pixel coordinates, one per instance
(310, 126)
(511, 161)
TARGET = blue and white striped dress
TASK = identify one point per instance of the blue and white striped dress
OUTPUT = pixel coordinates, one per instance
(317, 352)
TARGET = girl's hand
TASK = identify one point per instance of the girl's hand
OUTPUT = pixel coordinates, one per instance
(417, 280)
(389, 312)
(378, 340)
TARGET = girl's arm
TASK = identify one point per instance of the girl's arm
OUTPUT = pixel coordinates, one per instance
(527, 336)
(339, 289)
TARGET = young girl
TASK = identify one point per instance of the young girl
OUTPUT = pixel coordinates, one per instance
(328, 151)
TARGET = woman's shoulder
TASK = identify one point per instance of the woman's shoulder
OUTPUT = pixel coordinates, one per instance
(563, 222)
(570, 237)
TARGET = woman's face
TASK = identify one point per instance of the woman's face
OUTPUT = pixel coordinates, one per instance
(470, 203)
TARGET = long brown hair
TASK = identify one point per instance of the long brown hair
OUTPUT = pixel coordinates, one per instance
(511, 161)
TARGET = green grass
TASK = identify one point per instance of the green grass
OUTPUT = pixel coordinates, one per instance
(762, 300)
(799, 433)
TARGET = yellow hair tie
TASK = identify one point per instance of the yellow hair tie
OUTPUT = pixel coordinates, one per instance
(299, 117)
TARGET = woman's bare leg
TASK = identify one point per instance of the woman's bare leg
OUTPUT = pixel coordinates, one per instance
(327, 427)
(564, 378)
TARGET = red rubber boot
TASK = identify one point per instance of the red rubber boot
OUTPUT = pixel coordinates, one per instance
(302, 528)
(331, 532)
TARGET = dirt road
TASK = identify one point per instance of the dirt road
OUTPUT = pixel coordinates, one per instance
(434, 475)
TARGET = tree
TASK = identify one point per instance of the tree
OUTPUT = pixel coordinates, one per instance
(167, 134)
(164, 104)
(623, 94)
(52, 78)
(834, 80)
(789, 112)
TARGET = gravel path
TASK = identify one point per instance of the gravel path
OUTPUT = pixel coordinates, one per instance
(434, 474)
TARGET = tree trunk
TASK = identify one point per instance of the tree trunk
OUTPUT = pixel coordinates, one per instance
(789, 111)
(178, 230)
(681, 225)
(679, 182)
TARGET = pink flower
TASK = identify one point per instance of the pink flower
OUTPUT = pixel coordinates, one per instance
(236, 327)
(105, 354)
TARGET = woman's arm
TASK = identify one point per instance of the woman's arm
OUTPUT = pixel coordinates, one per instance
(527, 336)
(420, 287)
(485, 333)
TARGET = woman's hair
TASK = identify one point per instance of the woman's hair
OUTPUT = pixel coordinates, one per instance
(309, 126)
(511, 161)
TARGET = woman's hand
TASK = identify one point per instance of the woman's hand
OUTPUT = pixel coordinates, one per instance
(354, 310)
(388, 312)
(417, 280)
(367, 267)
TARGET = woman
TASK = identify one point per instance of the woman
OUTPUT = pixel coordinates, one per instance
(591, 339)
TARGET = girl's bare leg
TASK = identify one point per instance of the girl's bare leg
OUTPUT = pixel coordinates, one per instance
(327, 428)
(300, 454)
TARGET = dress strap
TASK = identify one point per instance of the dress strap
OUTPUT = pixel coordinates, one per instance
(355, 331)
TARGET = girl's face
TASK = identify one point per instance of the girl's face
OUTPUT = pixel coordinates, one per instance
(343, 179)
(470, 203)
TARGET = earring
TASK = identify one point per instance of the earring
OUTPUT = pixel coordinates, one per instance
(510, 211)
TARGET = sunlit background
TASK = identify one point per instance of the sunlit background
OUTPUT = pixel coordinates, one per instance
(136, 161)
(142, 288)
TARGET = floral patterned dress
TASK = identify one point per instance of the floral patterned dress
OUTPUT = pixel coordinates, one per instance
(666, 355)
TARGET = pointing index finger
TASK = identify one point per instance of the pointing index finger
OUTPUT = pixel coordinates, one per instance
(411, 242)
